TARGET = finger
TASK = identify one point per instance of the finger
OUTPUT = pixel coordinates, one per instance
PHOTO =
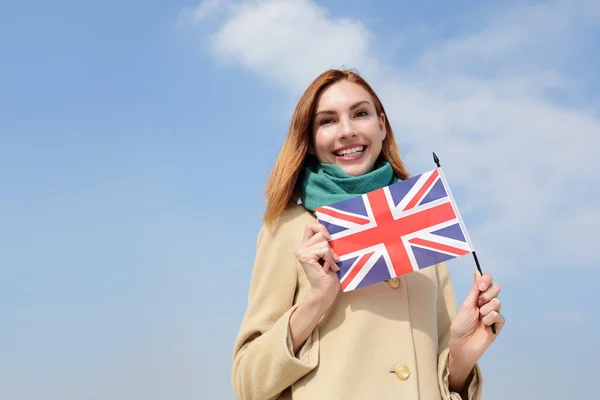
(494, 318)
(324, 251)
(332, 259)
(312, 229)
(315, 239)
(330, 264)
(491, 293)
(484, 282)
(321, 250)
(489, 319)
(492, 305)
(499, 322)
(309, 231)
(336, 258)
(312, 254)
(327, 263)
(474, 293)
(318, 237)
(326, 266)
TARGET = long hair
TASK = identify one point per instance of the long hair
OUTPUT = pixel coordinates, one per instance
(282, 189)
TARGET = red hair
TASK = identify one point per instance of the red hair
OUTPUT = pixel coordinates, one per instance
(282, 187)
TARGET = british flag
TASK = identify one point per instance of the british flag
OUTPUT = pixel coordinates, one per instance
(403, 227)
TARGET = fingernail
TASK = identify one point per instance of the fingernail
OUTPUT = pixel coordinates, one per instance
(482, 286)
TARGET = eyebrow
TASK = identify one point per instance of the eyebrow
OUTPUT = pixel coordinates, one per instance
(353, 106)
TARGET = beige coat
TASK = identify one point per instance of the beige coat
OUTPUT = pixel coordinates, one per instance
(385, 341)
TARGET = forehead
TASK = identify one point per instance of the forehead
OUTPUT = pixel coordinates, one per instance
(342, 94)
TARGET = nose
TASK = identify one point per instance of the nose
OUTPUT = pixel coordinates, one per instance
(347, 128)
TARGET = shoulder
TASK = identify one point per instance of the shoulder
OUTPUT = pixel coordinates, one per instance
(294, 218)
(290, 225)
(297, 216)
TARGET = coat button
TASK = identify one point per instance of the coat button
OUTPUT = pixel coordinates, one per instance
(394, 282)
(402, 372)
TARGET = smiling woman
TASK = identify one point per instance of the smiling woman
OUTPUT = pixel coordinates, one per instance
(301, 336)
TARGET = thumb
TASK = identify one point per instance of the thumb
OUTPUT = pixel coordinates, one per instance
(473, 296)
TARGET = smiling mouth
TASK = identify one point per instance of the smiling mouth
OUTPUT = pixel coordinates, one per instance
(350, 152)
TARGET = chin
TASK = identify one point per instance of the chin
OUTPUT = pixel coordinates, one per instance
(355, 166)
(355, 170)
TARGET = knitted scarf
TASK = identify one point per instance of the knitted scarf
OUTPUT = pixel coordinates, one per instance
(324, 184)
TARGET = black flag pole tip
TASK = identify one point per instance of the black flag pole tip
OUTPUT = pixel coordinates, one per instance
(436, 159)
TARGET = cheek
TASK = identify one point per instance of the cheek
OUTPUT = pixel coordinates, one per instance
(377, 134)
(323, 143)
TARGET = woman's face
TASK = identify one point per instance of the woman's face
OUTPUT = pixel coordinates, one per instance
(347, 130)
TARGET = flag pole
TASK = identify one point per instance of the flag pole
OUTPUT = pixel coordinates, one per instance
(437, 162)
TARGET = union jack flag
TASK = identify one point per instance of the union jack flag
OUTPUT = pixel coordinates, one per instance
(403, 227)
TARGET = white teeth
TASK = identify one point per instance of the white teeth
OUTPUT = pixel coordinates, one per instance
(354, 151)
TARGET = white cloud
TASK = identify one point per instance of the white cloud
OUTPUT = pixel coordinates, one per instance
(291, 41)
(209, 9)
(522, 163)
(518, 38)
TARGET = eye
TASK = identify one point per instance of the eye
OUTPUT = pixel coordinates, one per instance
(362, 113)
(325, 121)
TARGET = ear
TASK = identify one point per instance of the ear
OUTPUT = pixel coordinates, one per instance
(311, 149)
(382, 125)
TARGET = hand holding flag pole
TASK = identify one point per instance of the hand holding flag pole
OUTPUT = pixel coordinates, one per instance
(437, 162)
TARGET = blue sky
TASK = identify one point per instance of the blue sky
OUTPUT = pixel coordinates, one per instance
(135, 141)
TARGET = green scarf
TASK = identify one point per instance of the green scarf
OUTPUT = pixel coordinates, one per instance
(324, 184)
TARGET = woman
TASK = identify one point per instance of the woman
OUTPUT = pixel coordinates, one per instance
(302, 337)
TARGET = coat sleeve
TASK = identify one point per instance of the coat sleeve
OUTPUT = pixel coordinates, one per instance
(446, 313)
(263, 361)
